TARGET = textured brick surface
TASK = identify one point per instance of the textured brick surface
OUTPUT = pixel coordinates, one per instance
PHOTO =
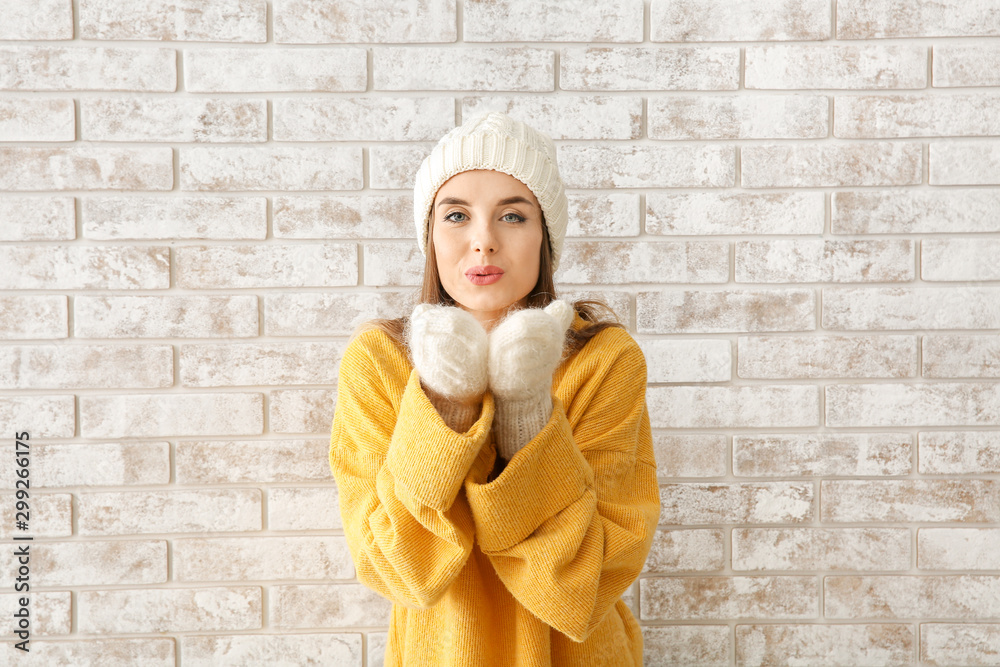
(869, 645)
(842, 455)
(792, 207)
(788, 67)
(227, 21)
(723, 21)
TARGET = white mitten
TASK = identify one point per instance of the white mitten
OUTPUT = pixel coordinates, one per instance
(449, 348)
(524, 351)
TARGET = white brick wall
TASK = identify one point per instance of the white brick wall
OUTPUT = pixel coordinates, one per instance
(793, 205)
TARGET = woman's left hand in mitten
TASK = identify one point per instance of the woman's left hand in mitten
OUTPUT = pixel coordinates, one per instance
(524, 351)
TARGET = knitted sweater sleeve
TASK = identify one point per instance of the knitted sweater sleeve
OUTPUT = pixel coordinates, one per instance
(399, 469)
(569, 522)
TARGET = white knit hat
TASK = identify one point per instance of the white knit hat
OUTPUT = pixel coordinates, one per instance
(498, 142)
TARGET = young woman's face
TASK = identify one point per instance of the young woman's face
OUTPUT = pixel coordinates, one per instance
(483, 219)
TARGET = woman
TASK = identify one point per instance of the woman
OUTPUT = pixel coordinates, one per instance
(495, 469)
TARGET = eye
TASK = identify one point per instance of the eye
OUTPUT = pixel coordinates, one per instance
(455, 216)
(513, 217)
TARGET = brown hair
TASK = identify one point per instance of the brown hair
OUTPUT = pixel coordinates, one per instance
(541, 295)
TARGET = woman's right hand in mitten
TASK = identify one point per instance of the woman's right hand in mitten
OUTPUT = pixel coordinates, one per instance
(449, 349)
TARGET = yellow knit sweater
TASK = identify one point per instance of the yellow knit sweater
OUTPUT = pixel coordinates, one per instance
(527, 569)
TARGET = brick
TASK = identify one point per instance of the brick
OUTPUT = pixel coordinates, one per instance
(363, 119)
(738, 117)
(374, 21)
(650, 68)
(904, 308)
(857, 19)
(267, 265)
(96, 464)
(228, 462)
(619, 302)
(596, 215)
(723, 21)
(306, 508)
(965, 163)
(156, 218)
(86, 366)
(916, 211)
(647, 166)
(685, 551)
(37, 19)
(343, 217)
(961, 356)
(37, 219)
(831, 165)
(86, 168)
(959, 452)
(86, 563)
(394, 167)
(25, 119)
(142, 512)
(710, 213)
(821, 549)
(955, 259)
(590, 117)
(961, 64)
(170, 610)
(175, 20)
(256, 70)
(690, 503)
(41, 416)
(959, 643)
(85, 267)
(958, 549)
(552, 21)
(793, 357)
(688, 360)
(878, 116)
(937, 404)
(36, 316)
(88, 68)
(696, 455)
(173, 120)
(240, 364)
(759, 406)
(864, 66)
(50, 614)
(393, 264)
(152, 652)
(472, 69)
(157, 415)
(725, 312)
(301, 410)
(816, 260)
(165, 316)
(702, 645)
(714, 598)
(52, 516)
(329, 314)
(339, 648)
(822, 455)
(959, 597)
(625, 262)
(377, 642)
(324, 606)
(887, 501)
(271, 558)
(277, 168)
(825, 645)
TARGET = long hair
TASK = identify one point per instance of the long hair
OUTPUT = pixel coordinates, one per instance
(541, 295)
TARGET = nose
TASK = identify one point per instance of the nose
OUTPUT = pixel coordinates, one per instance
(483, 240)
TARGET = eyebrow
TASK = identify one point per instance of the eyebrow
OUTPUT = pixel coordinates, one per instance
(503, 202)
